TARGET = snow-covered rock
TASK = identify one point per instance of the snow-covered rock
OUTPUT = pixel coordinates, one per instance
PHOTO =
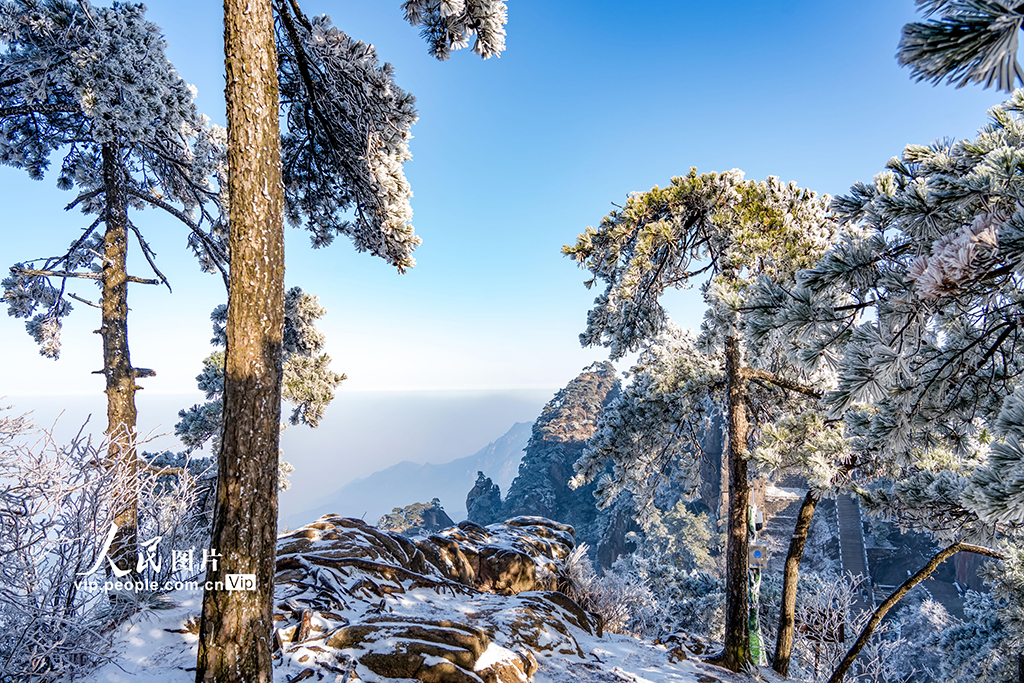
(470, 604)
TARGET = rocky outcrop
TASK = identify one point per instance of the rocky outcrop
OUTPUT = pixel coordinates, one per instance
(416, 519)
(471, 603)
(542, 487)
(483, 502)
(559, 437)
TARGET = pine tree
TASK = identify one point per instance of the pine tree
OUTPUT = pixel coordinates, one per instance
(347, 132)
(732, 231)
(971, 41)
(924, 291)
(308, 385)
(94, 85)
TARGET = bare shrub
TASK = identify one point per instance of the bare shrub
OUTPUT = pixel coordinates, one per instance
(55, 514)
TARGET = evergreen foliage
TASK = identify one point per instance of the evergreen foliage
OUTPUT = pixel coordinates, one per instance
(734, 233)
(346, 140)
(970, 41)
(309, 383)
(72, 83)
(448, 25)
(924, 291)
(93, 85)
(348, 122)
(987, 642)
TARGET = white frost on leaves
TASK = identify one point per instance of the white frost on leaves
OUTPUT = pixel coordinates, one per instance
(922, 297)
(345, 143)
(449, 24)
(78, 79)
(956, 258)
(652, 432)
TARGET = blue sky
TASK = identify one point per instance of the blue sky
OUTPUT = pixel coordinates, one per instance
(512, 158)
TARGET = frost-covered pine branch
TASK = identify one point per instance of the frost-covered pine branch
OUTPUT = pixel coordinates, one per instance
(969, 41)
(74, 83)
(923, 294)
(449, 24)
(729, 234)
(309, 383)
(346, 140)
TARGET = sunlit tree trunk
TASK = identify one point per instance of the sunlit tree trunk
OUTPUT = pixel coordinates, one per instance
(235, 633)
(117, 366)
(736, 655)
(790, 578)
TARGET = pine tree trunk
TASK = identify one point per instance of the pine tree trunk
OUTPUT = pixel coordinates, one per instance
(736, 655)
(117, 367)
(880, 612)
(790, 577)
(235, 632)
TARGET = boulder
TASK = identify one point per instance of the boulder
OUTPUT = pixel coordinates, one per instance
(470, 603)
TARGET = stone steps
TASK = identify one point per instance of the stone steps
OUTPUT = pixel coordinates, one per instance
(851, 549)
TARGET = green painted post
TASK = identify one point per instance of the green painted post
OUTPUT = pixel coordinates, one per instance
(757, 652)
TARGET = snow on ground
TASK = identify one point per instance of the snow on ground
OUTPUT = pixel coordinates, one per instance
(153, 646)
(784, 493)
(617, 658)
(156, 647)
(468, 604)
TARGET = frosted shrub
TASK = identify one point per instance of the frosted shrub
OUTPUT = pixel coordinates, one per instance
(688, 600)
(622, 600)
(55, 514)
(52, 519)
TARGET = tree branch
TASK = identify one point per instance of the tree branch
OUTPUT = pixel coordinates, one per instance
(22, 109)
(211, 248)
(83, 196)
(84, 276)
(148, 252)
(876, 618)
(84, 301)
(754, 373)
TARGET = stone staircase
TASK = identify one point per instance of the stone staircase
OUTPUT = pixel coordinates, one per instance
(851, 549)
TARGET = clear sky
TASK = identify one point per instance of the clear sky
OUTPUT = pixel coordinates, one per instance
(513, 157)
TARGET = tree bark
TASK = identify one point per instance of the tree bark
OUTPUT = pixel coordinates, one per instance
(790, 577)
(736, 654)
(117, 367)
(236, 627)
(876, 618)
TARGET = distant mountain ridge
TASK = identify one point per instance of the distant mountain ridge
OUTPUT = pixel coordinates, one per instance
(408, 482)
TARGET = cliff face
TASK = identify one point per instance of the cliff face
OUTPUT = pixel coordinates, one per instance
(559, 436)
(542, 486)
